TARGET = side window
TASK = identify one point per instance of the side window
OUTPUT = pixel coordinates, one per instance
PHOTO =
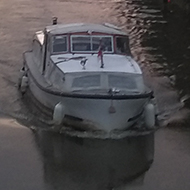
(59, 44)
(122, 45)
(37, 51)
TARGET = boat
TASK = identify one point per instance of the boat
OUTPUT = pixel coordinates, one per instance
(84, 73)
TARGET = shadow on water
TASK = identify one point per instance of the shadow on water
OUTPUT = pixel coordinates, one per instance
(171, 42)
(171, 49)
(41, 159)
(160, 42)
(86, 163)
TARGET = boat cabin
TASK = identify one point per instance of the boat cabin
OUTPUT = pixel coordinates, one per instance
(81, 38)
(90, 56)
(85, 72)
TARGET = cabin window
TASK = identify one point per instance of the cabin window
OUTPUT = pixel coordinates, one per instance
(122, 45)
(104, 42)
(81, 44)
(60, 44)
(122, 82)
(86, 81)
(91, 43)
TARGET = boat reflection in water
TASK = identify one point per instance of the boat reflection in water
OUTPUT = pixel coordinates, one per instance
(75, 163)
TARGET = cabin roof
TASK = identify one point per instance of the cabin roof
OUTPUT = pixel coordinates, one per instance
(112, 63)
(84, 27)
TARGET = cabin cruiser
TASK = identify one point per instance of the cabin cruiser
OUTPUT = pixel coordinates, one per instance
(85, 73)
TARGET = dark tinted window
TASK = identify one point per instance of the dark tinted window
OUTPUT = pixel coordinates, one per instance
(105, 42)
(59, 44)
(122, 45)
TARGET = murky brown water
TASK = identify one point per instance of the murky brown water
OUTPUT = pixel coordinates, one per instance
(85, 163)
(20, 162)
(46, 160)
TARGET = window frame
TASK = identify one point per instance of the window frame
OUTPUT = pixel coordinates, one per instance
(67, 40)
(122, 53)
(91, 37)
(76, 88)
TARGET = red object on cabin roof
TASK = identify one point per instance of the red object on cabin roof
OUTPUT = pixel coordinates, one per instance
(100, 53)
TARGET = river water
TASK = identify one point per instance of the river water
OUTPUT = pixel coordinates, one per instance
(47, 160)
(42, 159)
(160, 41)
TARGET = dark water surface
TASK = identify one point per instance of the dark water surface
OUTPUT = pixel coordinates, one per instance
(160, 42)
(83, 163)
(47, 160)
(20, 163)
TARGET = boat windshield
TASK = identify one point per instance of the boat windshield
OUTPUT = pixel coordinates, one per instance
(126, 83)
(122, 45)
(122, 82)
(86, 81)
(82, 43)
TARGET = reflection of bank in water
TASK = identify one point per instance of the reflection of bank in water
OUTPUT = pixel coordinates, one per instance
(87, 163)
(161, 43)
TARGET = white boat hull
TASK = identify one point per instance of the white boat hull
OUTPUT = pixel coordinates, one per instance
(85, 74)
(95, 112)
